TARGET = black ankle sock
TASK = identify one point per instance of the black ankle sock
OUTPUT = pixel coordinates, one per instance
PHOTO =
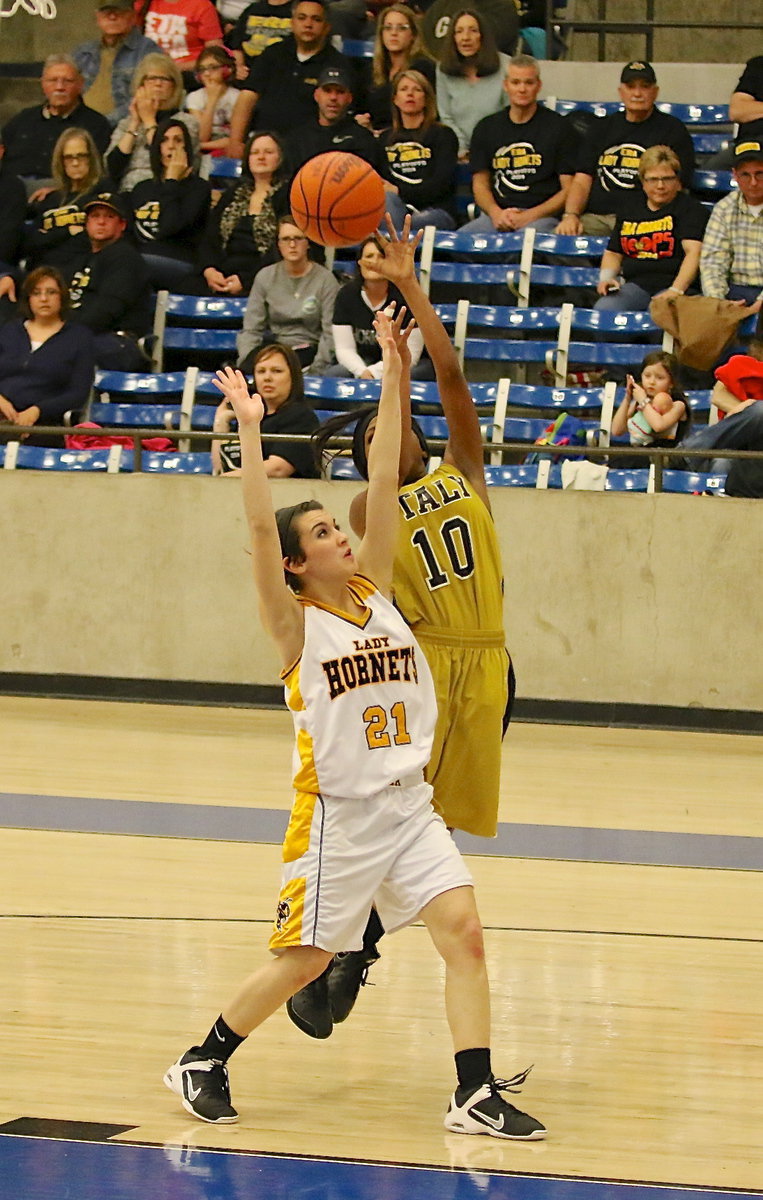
(220, 1042)
(473, 1066)
(374, 931)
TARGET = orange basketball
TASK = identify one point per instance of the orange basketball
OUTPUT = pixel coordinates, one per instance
(337, 199)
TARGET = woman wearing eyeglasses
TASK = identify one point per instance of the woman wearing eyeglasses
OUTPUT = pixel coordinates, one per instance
(77, 169)
(657, 239)
(157, 88)
(291, 302)
(397, 47)
(46, 362)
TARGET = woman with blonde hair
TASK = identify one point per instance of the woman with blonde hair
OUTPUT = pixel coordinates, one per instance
(397, 46)
(422, 156)
(157, 93)
(78, 173)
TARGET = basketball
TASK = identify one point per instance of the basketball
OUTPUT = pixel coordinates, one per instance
(337, 199)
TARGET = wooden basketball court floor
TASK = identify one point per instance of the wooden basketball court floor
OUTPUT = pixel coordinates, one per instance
(623, 903)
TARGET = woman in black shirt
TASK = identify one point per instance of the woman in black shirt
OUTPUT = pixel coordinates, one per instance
(422, 156)
(170, 209)
(657, 239)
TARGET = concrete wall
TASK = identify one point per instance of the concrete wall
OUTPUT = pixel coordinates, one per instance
(635, 599)
(680, 82)
(712, 43)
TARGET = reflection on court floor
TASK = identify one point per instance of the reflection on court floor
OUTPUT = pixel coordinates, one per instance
(52, 1166)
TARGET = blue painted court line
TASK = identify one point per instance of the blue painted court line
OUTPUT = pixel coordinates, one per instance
(42, 1169)
(212, 822)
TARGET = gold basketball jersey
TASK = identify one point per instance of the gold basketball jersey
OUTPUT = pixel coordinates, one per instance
(448, 573)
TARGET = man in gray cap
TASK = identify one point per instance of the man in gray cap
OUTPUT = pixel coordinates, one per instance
(607, 172)
(731, 262)
(108, 62)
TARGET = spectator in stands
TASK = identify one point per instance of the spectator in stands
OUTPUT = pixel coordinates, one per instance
(157, 88)
(212, 104)
(259, 26)
(241, 231)
(731, 264)
(654, 411)
(422, 156)
(230, 11)
(78, 173)
(46, 361)
(738, 393)
(397, 47)
(107, 64)
(470, 77)
(746, 102)
(108, 286)
(30, 137)
(608, 162)
(278, 379)
(355, 344)
(291, 301)
(521, 158)
(333, 128)
(13, 205)
(656, 243)
(170, 209)
(181, 28)
(279, 92)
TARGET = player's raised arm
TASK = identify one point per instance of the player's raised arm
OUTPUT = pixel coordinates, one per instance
(280, 612)
(465, 448)
(377, 550)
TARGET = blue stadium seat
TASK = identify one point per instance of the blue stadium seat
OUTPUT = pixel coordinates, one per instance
(519, 475)
(136, 416)
(223, 170)
(196, 324)
(342, 467)
(44, 458)
(176, 464)
(138, 385)
(619, 480)
(693, 482)
(714, 184)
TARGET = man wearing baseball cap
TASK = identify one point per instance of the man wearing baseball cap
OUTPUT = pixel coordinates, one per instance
(607, 170)
(731, 263)
(108, 285)
(333, 128)
(107, 63)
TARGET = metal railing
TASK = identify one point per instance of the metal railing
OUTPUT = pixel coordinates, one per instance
(660, 456)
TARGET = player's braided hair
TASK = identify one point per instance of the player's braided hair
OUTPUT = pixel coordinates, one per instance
(362, 417)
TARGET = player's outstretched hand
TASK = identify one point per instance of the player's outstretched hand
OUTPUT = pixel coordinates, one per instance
(249, 409)
(399, 250)
(386, 336)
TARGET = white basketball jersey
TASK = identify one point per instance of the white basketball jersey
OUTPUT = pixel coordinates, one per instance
(361, 696)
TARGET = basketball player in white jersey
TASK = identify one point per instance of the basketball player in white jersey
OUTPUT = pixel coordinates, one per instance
(362, 830)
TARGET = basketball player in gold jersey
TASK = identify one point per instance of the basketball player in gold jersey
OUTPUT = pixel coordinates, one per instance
(448, 584)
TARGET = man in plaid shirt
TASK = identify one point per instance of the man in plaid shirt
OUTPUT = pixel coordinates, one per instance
(731, 263)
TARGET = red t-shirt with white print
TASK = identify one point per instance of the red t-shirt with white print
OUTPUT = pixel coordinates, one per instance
(182, 28)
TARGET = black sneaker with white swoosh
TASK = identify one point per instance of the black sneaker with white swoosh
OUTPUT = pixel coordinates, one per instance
(482, 1109)
(202, 1084)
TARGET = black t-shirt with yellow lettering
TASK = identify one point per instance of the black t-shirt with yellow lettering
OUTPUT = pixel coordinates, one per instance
(422, 166)
(650, 239)
(524, 161)
(612, 153)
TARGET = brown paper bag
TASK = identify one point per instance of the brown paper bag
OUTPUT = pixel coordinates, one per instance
(702, 326)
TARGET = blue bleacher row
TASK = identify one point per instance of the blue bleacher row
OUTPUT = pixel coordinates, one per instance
(119, 459)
